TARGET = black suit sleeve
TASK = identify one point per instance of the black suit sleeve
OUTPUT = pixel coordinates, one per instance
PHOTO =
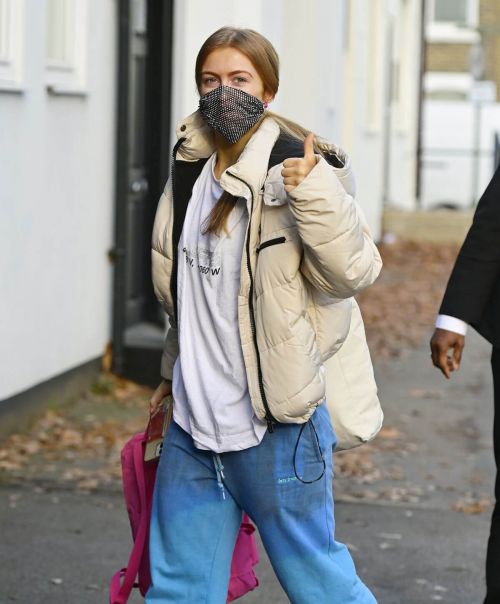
(477, 267)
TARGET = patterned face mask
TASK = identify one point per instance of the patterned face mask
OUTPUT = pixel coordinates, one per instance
(230, 111)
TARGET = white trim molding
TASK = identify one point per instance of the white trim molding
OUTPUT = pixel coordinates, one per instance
(449, 33)
(375, 68)
(11, 45)
(445, 81)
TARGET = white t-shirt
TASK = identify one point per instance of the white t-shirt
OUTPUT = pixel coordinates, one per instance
(210, 387)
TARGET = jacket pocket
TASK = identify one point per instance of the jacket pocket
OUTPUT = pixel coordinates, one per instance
(269, 242)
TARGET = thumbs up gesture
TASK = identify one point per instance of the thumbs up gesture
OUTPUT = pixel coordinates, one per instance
(295, 169)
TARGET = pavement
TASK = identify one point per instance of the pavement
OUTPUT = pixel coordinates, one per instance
(416, 516)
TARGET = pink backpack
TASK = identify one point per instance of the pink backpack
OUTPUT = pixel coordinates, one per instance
(138, 483)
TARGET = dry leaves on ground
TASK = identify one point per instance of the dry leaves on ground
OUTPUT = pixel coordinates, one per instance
(359, 466)
(400, 308)
(363, 476)
(83, 450)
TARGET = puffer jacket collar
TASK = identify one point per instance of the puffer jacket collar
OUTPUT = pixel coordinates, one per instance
(250, 170)
(197, 140)
(251, 167)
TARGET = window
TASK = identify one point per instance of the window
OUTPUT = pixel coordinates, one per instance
(66, 45)
(451, 11)
(4, 31)
(60, 34)
(11, 39)
(452, 21)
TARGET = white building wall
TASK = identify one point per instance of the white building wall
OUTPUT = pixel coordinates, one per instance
(404, 125)
(361, 118)
(56, 208)
(381, 99)
(453, 131)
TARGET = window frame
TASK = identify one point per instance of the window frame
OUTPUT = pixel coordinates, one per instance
(69, 77)
(11, 45)
(450, 31)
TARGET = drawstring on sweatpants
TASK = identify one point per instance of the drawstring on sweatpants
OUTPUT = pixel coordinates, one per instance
(219, 468)
(311, 423)
(220, 473)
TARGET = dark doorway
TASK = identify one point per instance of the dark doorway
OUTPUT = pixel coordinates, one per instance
(142, 152)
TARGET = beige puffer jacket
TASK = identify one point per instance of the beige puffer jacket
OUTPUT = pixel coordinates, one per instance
(307, 253)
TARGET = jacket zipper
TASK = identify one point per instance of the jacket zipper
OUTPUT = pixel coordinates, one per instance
(270, 242)
(269, 416)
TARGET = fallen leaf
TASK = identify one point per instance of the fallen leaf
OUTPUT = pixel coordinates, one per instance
(88, 484)
(471, 505)
(389, 433)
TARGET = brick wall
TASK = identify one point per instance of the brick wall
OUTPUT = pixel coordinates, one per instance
(489, 21)
(447, 57)
(455, 57)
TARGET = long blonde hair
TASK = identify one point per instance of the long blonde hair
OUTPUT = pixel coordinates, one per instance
(266, 62)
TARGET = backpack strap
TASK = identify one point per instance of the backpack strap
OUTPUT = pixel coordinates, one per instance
(184, 175)
(286, 146)
(119, 594)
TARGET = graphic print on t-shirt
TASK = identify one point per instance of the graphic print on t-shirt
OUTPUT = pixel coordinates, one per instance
(206, 261)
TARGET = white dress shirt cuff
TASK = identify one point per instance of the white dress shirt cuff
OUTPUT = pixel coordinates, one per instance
(451, 324)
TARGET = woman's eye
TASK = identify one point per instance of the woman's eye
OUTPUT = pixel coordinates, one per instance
(209, 81)
(240, 79)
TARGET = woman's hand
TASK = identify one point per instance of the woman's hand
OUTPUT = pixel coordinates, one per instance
(296, 169)
(160, 393)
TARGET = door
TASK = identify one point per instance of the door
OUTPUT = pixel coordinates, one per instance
(143, 118)
(137, 197)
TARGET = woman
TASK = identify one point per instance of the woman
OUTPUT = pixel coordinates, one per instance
(257, 252)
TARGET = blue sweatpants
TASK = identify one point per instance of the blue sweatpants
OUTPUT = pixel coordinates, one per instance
(197, 509)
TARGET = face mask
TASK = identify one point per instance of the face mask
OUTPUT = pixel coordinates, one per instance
(230, 111)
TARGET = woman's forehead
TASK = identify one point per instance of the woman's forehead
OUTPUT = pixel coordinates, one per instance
(228, 59)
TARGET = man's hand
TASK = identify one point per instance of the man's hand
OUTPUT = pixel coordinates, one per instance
(295, 169)
(446, 350)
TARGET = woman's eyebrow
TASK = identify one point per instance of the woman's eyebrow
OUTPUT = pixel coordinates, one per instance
(231, 73)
